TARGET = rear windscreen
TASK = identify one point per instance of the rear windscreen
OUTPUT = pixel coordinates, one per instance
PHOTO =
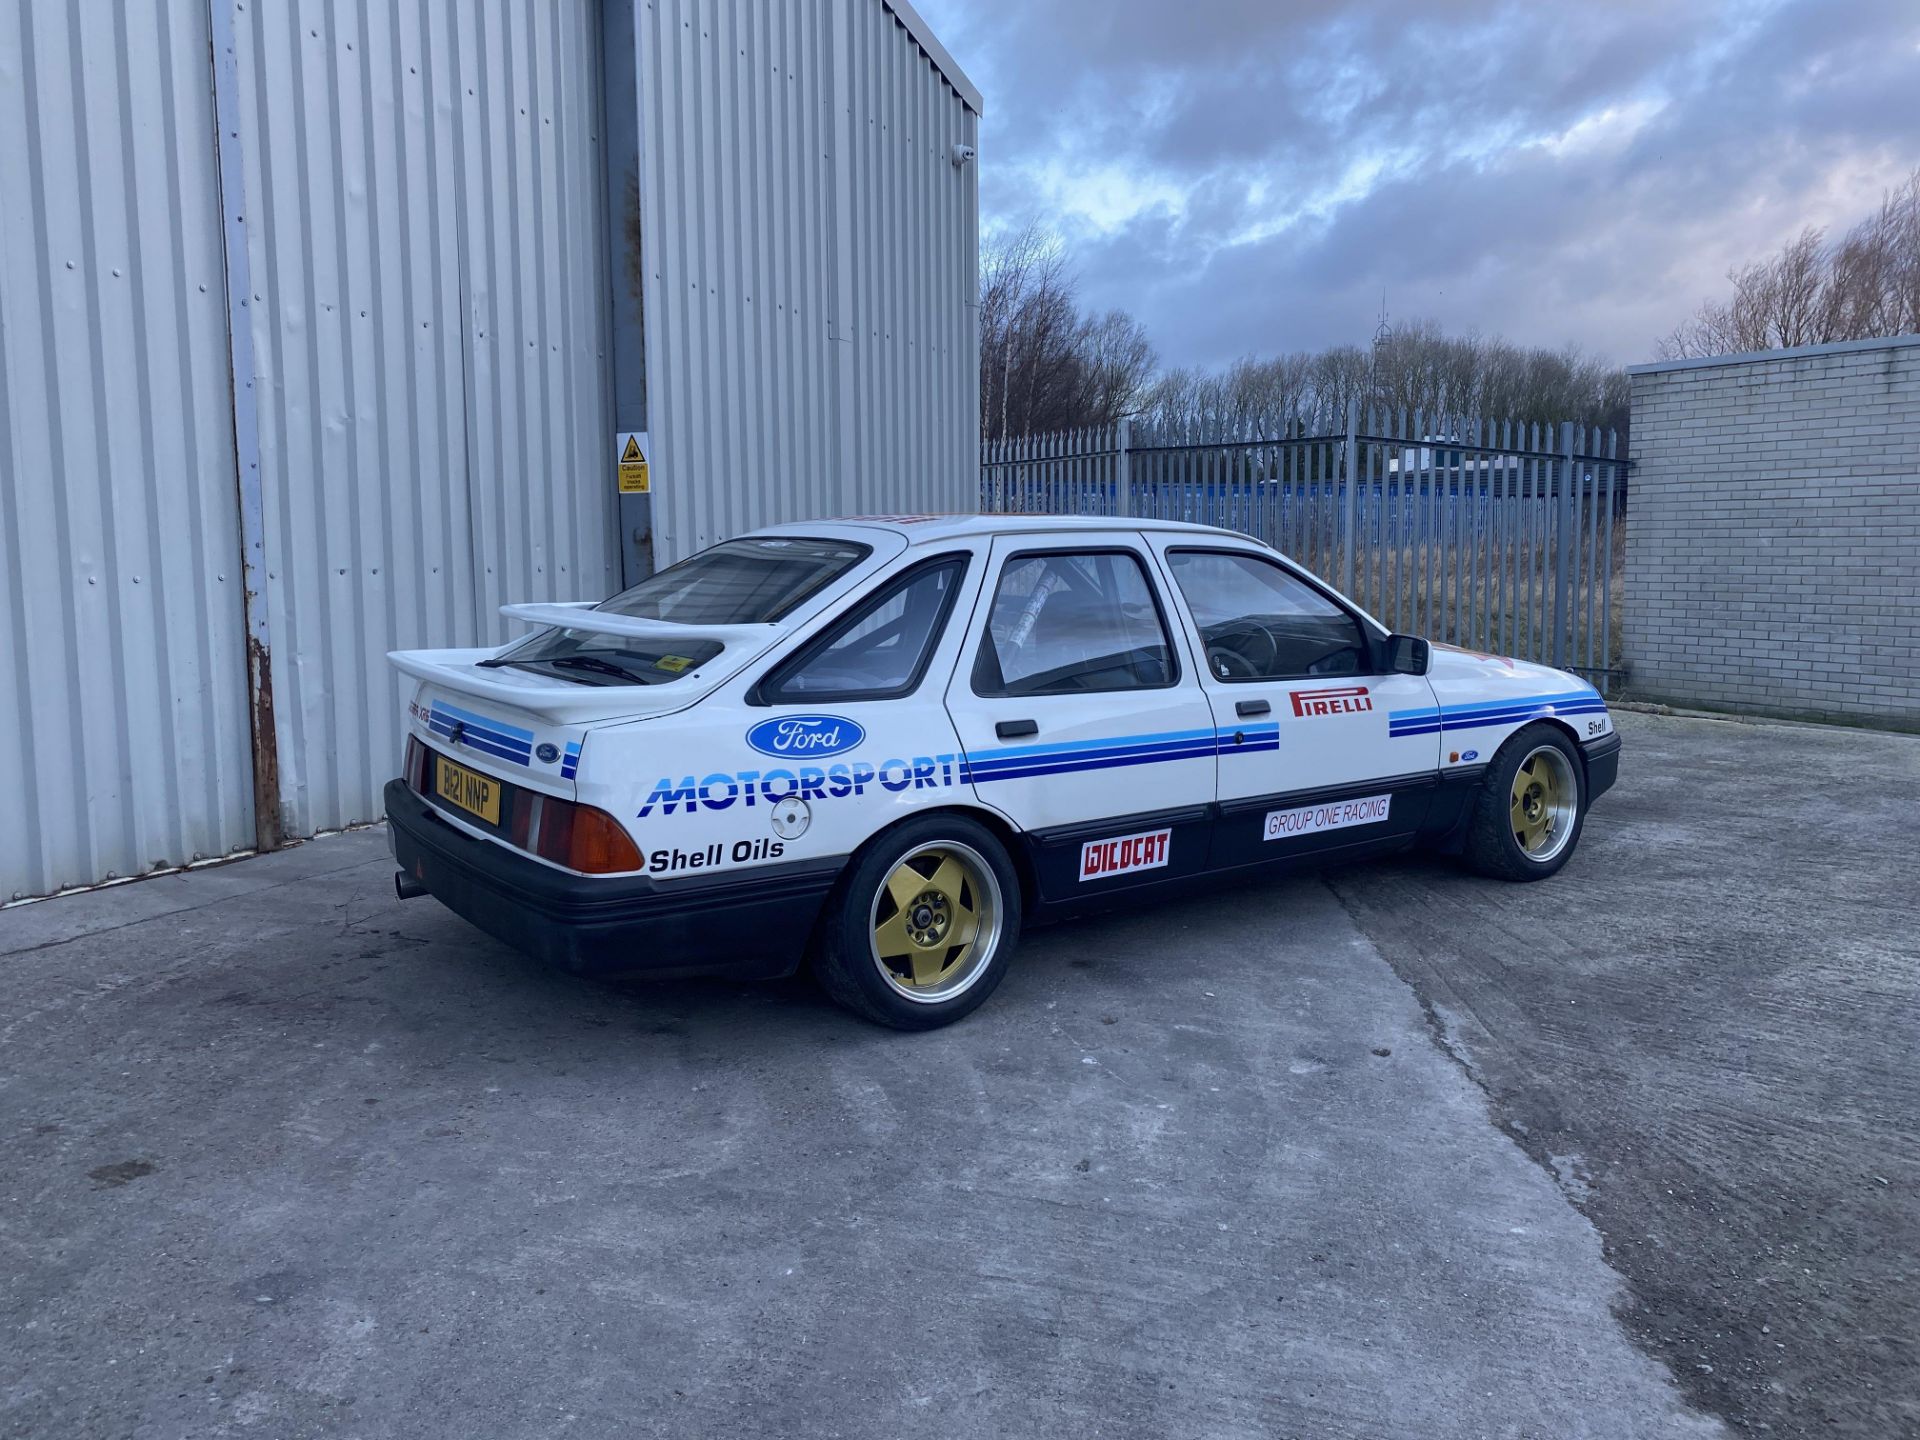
(740, 582)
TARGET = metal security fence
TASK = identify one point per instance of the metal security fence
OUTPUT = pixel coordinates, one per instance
(1494, 536)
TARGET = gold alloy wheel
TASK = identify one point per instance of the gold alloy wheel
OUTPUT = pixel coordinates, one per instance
(936, 921)
(1541, 808)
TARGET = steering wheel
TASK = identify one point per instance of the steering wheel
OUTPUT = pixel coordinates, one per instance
(1232, 662)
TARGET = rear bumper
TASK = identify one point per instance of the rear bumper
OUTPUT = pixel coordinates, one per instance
(750, 924)
(1603, 764)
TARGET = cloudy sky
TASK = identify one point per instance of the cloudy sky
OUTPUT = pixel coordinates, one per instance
(1248, 176)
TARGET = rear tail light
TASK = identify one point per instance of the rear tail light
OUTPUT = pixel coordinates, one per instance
(585, 839)
(576, 836)
(520, 818)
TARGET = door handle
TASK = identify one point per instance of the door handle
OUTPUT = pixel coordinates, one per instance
(1252, 707)
(1014, 729)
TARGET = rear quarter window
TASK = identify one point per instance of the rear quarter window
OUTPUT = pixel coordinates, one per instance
(753, 580)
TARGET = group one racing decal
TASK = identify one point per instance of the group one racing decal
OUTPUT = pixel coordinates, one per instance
(1145, 851)
(1434, 719)
(840, 779)
(1337, 815)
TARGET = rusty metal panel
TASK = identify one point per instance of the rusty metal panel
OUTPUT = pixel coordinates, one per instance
(123, 724)
(811, 248)
(426, 239)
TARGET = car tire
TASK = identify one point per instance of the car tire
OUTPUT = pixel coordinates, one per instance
(1531, 807)
(922, 924)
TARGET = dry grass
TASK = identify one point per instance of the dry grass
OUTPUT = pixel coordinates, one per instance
(1500, 599)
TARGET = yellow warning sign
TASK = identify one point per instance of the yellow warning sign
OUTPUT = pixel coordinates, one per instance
(633, 465)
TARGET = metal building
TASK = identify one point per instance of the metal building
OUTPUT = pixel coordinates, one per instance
(334, 345)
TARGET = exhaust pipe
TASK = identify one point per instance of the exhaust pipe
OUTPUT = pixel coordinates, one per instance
(406, 887)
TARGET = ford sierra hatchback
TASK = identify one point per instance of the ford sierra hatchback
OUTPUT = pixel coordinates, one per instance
(879, 747)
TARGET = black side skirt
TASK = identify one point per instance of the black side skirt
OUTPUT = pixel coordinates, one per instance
(1205, 842)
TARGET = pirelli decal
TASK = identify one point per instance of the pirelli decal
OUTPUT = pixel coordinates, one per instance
(1336, 700)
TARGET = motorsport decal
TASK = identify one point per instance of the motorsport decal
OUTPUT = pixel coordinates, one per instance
(741, 852)
(1145, 851)
(844, 778)
(1342, 700)
(749, 788)
(1434, 719)
(795, 737)
(1307, 819)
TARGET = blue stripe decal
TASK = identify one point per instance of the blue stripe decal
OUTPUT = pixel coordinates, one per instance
(511, 731)
(478, 736)
(1163, 749)
(481, 740)
(1482, 714)
(1504, 717)
(505, 742)
(1066, 765)
(485, 747)
(1023, 762)
(1515, 717)
(1059, 746)
(570, 762)
(482, 732)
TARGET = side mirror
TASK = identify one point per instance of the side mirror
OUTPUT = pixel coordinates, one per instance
(1408, 655)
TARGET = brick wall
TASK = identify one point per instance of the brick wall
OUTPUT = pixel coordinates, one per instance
(1773, 541)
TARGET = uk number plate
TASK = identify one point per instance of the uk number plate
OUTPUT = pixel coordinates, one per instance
(473, 792)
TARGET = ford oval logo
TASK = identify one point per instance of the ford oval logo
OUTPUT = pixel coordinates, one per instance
(797, 737)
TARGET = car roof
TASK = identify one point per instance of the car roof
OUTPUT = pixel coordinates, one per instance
(934, 529)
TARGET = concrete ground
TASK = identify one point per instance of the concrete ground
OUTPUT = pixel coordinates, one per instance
(1390, 1152)
(1709, 1027)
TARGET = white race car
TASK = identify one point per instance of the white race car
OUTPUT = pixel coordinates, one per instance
(881, 745)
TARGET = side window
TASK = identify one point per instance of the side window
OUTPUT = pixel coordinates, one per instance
(881, 650)
(1069, 622)
(1260, 623)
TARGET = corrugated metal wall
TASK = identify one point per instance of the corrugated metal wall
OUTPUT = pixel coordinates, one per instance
(123, 727)
(811, 252)
(390, 219)
(426, 238)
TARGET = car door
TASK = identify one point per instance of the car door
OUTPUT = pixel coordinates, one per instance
(1309, 760)
(1079, 709)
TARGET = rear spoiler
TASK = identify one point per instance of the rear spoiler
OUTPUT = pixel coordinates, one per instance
(579, 615)
(460, 672)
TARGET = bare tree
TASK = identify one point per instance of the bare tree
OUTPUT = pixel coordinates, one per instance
(1043, 365)
(1117, 364)
(1866, 284)
(1046, 366)
(1413, 368)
